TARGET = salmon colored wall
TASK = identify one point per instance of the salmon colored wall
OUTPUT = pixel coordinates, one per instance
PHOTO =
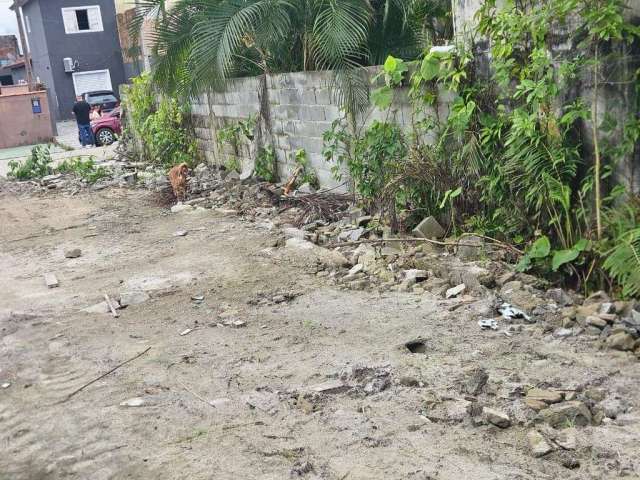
(19, 125)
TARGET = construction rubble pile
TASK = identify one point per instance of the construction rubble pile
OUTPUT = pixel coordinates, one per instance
(357, 251)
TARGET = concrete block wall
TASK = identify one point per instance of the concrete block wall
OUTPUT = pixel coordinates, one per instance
(299, 108)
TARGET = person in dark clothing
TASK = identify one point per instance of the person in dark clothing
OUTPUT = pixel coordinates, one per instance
(81, 110)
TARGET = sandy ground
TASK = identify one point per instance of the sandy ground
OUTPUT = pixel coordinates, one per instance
(240, 403)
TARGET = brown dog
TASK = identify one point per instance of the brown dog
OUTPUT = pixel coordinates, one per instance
(178, 179)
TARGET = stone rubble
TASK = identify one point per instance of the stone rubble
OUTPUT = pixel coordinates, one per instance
(470, 276)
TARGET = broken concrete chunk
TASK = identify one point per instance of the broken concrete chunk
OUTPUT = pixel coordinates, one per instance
(51, 280)
(620, 341)
(101, 307)
(558, 295)
(72, 253)
(415, 274)
(596, 321)
(455, 291)
(330, 258)
(566, 439)
(429, 228)
(133, 297)
(354, 235)
(538, 444)
(535, 404)
(567, 414)
(547, 396)
(496, 417)
(476, 381)
(471, 248)
(356, 269)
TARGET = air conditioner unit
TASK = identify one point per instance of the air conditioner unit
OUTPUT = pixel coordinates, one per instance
(68, 64)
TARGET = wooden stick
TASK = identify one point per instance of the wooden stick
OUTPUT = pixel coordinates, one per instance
(104, 375)
(202, 399)
(111, 307)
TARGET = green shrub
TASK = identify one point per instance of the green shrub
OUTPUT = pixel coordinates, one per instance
(37, 165)
(154, 127)
(85, 169)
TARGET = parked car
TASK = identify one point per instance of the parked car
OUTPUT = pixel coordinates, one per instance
(107, 128)
(106, 98)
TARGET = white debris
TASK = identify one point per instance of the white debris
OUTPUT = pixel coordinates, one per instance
(133, 402)
(489, 323)
(455, 291)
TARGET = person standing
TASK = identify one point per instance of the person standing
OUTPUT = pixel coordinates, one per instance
(81, 110)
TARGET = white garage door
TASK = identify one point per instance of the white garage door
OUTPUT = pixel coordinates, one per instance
(91, 81)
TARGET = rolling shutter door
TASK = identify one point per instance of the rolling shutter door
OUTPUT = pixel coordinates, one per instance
(91, 81)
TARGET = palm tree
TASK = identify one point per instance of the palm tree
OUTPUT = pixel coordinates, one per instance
(200, 43)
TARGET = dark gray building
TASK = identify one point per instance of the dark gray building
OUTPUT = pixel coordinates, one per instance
(74, 48)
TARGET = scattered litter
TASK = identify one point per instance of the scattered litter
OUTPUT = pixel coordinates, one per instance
(197, 298)
(509, 312)
(180, 233)
(507, 333)
(186, 332)
(488, 323)
(238, 324)
(51, 280)
(110, 305)
(455, 291)
(133, 402)
(5, 385)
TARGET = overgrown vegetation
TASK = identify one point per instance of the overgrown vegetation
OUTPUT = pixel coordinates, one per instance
(307, 175)
(509, 158)
(265, 164)
(155, 126)
(39, 165)
(83, 168)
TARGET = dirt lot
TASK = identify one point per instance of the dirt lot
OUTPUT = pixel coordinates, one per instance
(241, 401)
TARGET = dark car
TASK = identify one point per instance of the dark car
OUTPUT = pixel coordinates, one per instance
(106, 98)
(107, 128)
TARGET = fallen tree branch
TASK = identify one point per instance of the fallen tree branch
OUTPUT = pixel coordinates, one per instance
(104, 375)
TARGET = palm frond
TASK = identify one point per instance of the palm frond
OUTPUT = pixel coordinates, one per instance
(340, 33)
(623, 262)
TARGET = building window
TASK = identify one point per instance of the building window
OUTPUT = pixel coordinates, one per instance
(82, 19)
